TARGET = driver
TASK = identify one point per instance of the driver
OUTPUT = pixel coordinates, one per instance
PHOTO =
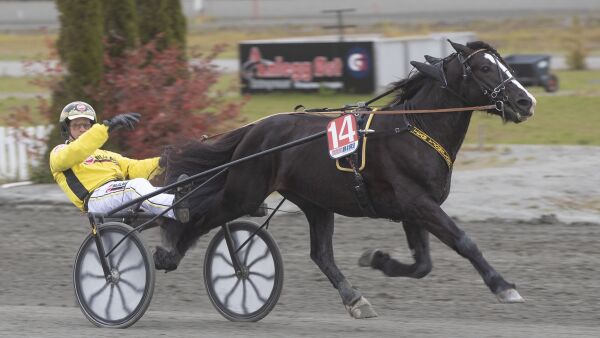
(97, 180)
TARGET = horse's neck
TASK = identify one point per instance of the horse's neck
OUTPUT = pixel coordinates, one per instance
(449, 129)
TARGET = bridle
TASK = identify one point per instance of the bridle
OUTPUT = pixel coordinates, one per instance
(497, 94)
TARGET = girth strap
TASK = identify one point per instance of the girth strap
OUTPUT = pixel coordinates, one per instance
(361, 193)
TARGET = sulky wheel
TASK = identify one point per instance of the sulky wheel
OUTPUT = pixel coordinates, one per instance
(252, 293)
(121, 300)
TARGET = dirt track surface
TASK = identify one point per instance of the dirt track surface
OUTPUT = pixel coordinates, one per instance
(556, 267)
(534, 212)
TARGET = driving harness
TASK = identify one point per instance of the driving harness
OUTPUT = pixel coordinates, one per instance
(356, 161)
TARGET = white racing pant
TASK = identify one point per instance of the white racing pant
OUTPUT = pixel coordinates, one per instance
(116, 193)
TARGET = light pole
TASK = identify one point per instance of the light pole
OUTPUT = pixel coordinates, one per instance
(340, 21)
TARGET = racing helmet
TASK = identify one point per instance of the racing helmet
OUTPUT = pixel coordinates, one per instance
(72, 111)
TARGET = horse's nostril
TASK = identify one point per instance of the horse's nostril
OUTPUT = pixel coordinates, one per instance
(524, 103)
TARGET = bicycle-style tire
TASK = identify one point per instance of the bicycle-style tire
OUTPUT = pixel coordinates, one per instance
(248, 298)
(120, 303)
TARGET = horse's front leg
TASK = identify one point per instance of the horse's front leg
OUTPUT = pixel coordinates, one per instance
(321, 252)
(430, 216)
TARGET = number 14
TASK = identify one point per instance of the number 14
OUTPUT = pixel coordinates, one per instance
(346, 132)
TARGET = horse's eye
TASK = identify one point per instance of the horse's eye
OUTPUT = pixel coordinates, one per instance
(485, 69)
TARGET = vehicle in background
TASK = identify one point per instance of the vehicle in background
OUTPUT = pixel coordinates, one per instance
(533, 70)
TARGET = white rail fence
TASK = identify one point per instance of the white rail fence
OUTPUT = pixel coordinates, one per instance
(20, 150)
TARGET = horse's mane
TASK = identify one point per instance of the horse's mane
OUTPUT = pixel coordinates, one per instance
(406, 88)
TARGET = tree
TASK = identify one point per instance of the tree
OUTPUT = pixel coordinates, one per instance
(578, 51)
(80, 49)
(120, 26)
(174, 98)
(162, 19)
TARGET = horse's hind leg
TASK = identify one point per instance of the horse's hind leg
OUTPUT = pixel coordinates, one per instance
(177, 238)
(321, 252)
(418, 242)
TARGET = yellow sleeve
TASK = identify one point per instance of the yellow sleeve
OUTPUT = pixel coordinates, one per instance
(65, 156)
(147, 168)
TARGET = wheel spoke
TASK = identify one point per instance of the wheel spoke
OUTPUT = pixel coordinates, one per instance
(95, 294)
(260, 258)
(108, 245)
(133, 267)
(95, 253)
(123, 254)
(231, 292)
(217, 278)
(128, 283)
(224, 259)
(264, 300)
(244, 307)
(248, 247)
(123, 302)
(254, 273)
(110, 295)
(91, 275)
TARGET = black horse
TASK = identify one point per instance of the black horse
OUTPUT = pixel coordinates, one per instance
(407, 179)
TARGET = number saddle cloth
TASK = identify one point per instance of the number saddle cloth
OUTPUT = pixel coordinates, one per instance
(358, 158)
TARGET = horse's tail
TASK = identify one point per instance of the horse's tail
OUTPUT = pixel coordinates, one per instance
(198, 156)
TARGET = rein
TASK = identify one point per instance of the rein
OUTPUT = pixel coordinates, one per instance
(398, 112)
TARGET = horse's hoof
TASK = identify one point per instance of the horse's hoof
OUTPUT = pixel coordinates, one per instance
(366, 259)
(509, 296)
(165, 260)
(361, 309)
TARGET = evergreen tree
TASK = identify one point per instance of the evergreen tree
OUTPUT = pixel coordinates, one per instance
(80, 49)
(177, 23)
(120, 25)
(163, 17)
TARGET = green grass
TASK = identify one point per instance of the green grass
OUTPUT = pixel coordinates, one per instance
(15, 46)
(10, 84)
(558, 120)
(268, 104)
(9, 107)
(571, 116)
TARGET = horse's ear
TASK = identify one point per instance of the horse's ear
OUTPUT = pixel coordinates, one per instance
(460, 48)
(434, 72)
(432, 59)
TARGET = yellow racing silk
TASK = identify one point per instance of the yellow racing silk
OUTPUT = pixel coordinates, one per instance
(79, 167)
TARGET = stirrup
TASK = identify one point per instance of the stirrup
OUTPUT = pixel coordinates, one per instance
(182, 209)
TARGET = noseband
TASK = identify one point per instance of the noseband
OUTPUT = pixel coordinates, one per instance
(497, 94)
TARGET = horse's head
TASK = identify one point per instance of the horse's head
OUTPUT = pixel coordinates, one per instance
(479, 75)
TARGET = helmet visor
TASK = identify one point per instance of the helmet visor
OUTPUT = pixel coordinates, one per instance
(73, 117)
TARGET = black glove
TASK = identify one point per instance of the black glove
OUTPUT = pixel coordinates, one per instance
(127, 120)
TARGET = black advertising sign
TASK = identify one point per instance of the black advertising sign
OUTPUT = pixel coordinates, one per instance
(307, 66)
